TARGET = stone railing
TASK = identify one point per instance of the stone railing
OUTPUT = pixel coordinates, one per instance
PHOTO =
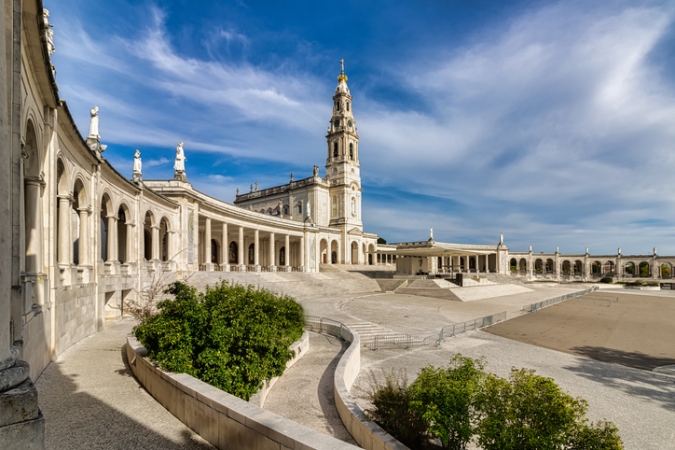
(366, 433)
(222, 419)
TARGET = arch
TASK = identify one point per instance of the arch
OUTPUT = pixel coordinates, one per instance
(578, 267)
(355, 252)
(539, 266)
(513, 265)
(629, 269)
(123, 218)
(334, 246)
(666, 270)
(472, 263)
(644, 269)
(164, 239)
(251, 254)
(523, 265)
(282, 256)
(335, 150)
(567, 268)
(596, 268)
(32, 201)
(351, 151)
(323, 251)
(78, 226)
(215, 251)
(608, 268)
(233, 252)
(550, 266)
(148, 237)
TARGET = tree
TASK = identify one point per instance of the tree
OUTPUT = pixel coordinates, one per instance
(445, 399)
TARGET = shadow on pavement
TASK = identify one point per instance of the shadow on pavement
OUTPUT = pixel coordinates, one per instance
(636, 360)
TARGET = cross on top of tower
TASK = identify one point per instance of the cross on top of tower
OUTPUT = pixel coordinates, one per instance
(342, 78)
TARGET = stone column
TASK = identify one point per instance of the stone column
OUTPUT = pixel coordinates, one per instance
(155, 242)
(225, 250)
(64, 229)
(302, 254)
(240, 256)
(273, 267)
(207, 245)
(33, 235)
(256, 249)
(83, 254)
(287, 253)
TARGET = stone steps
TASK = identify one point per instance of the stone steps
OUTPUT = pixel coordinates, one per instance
(367, 331)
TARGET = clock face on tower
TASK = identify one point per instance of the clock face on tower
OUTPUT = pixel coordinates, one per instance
(349, 124)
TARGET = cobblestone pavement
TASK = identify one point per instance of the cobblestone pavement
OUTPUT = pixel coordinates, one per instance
(91, 401)
(312, 376)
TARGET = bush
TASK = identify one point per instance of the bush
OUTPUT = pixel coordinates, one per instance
(444, 398)
(463, 402)
(390, 408)
(232, 337)
(607, 280)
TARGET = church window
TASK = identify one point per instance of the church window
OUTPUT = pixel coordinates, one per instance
(286, 210)
(335, 202)
(299, 208)
(347, 106)
(351, 151)
(335, 149)
(353, 207)
(337, 105)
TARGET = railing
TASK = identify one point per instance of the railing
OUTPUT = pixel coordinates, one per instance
(234, 268)
(406, 341)
(469, 325)
(552, 301)
(323, 325)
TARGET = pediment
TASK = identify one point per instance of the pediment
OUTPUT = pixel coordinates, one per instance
(355, 232)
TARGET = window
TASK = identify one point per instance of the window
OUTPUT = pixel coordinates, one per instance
(335, 150)
(335, 206)
(351, 151)
(353, 207)
(337, 105)
(347, 106)
(285, 210)
(299, 208)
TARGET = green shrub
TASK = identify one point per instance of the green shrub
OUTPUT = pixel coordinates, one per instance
(607, 280)
(232, 337)
(390, 408)
(444, 398)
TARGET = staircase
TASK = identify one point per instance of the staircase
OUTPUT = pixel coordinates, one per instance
(367, 331)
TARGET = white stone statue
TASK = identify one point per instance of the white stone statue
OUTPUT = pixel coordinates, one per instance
(619, 252)
(138, 165)
(315, 171)
(530, 249)
(93, 123)
(179, 165)
(431, 234)
(309, 210)
(557, 249)
(587, 250)
(501, 238)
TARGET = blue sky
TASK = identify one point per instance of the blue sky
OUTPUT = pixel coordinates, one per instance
(551, 122)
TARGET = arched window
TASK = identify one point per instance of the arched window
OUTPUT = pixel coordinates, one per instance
(351, 151)
(299, 208)
(234, 253)
(285, 210)
(335, 205)
(122, 235)
(337, 105)
(335, 149)
(347, 106)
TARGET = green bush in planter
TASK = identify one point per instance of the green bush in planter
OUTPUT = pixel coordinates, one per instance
(232, 337)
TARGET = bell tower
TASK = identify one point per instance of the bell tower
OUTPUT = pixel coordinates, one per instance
(342, 164)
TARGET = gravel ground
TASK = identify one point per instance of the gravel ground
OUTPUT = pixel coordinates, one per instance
(90, 400)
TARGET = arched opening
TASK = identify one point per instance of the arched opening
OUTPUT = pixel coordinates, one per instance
(323, 251)
(164, 238)
(355, 253)
(596, 268)
(79, 223)
(351, 151)
(148, 223)
(608, 268)
(347, 106)
(334, 252)
(549, 266)
(233, 251)
(282, 256)
(472, 263)
(215, 252)
(538, 266)
(513, 265)
(666, 270)
(566, 268)
(523, 265)
(643, 269)
(32, 191)
(122, 238)
(251, 254)
(629, 269)
(62, 212)
(578, 267)
(335, 149)
(371, 251)
(107, 217)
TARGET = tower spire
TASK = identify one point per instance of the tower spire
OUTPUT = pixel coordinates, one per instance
(342, 78)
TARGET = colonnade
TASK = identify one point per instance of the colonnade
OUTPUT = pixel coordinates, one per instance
(251, 249)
